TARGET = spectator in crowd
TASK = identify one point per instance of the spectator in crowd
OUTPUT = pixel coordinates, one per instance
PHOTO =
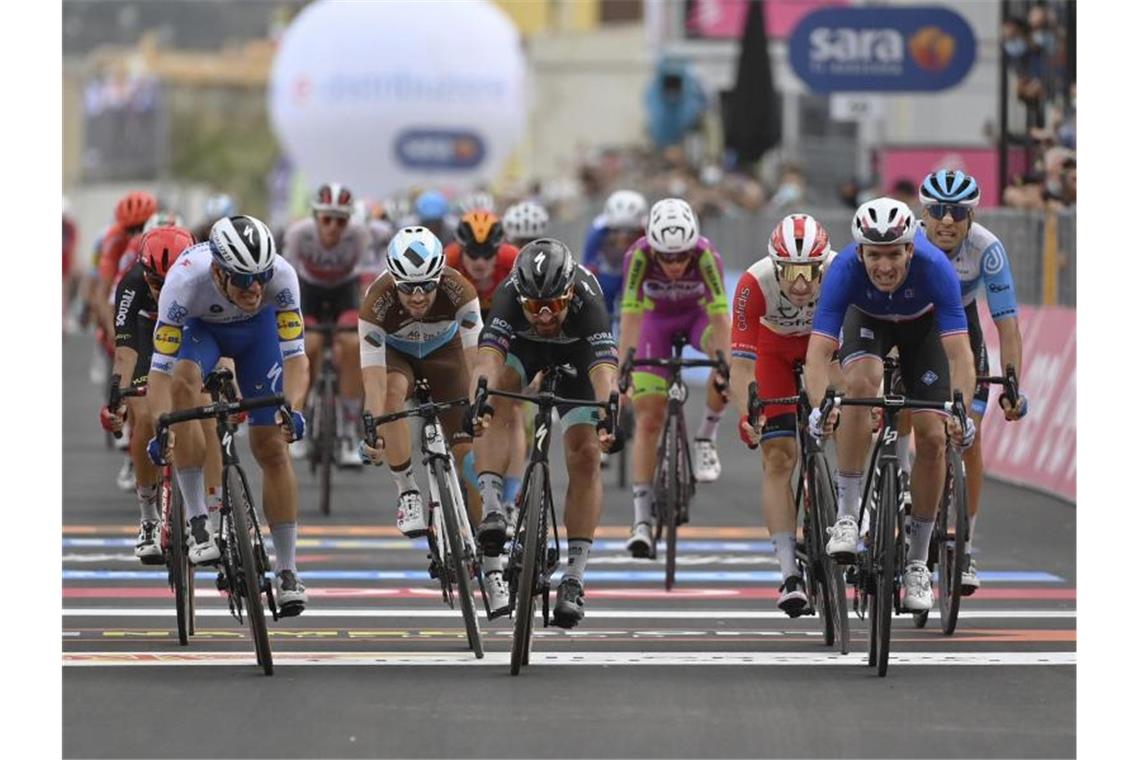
(906, 191)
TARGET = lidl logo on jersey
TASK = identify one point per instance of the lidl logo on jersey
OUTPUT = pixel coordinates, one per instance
(289, 325)
(167, 339)
(882, 48)
(440, 149)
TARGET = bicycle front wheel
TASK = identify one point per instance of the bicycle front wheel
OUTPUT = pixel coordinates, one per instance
(672, 501)
(952, 549)
(327, 444)
(180, 571)
(534, 504)
(462, 563)
(886, 530)
(236, 497)
(829, 573)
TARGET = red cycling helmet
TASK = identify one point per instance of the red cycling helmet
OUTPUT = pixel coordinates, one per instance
(799, 239)
(134, 209)
(159, 248)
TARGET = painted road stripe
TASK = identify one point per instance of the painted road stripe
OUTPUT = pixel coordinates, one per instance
(394, 544)
(596, 560)
(162, 591)
(595, 613)
(854, 661)
(635, 576)
(604, 531)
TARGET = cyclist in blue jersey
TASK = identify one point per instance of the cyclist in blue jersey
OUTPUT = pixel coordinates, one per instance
(904, 293)
(948, 200)
(621, 222)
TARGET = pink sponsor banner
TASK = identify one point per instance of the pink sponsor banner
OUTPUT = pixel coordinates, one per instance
(1039, 450)
(915, 163)
(724, 19)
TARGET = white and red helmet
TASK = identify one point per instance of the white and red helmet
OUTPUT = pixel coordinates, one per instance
(799, 239)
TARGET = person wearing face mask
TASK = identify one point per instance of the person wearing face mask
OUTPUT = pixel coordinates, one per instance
(772, 311)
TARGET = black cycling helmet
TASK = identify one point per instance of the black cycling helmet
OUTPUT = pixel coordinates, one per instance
(544, 269)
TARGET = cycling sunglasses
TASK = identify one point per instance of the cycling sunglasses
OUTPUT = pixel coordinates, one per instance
(409, 288)
(940, 210)
(328, 220)
(792, 272)
(245, 281)
(481, 251)
(535, 306)
(673, 258)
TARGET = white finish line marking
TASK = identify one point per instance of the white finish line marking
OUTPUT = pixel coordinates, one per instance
(502, 659)
(595, 614)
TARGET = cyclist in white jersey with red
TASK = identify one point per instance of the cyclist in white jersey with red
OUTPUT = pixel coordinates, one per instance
(771, 322)
(327, 251)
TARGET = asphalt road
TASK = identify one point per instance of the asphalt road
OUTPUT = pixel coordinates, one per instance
(378, 666)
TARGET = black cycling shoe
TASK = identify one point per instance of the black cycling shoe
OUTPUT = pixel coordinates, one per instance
(493, 533)
(569, 609)
(793, 601)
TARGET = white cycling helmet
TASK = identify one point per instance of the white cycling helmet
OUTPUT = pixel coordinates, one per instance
(415, 255)
(673, 226)
(334, 199)
(625, 210)
(242, 245)
(883, 221)
(479, 201)
(799, 239)
(525, 221)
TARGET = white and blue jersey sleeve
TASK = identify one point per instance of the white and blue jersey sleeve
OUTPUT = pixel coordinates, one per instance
(284, 293)
(1001, 298)
(844, 274)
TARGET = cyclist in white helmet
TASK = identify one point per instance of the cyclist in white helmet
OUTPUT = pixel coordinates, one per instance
(234, 296)
(524, 222)
(620, 224)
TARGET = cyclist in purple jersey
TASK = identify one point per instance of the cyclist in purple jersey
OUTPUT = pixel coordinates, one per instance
(673, 282)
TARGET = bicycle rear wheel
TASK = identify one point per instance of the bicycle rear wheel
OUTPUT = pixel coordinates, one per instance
(830, 574)
(327, 443)
(236, 497)
(461, 560)
(886, 530)
(672, 500)
(534, 505)
(180, 571)
(952, 550)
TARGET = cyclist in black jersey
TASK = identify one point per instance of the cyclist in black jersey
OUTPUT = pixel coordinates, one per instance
(549, 312)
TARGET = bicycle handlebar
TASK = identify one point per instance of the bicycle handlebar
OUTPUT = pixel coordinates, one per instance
(1010, 386)
(718, 363)
(957, 406)
(427, 409)
(223, 409)
(115, 396)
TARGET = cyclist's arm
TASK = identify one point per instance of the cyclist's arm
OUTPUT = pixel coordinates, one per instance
(1009, 339)
(742, 372)
(961, 358)
(749, 307)
(296, 379)
(712, 272)
(1001, 300)
(489, 363)
(128, 297)
(470, 322)
(373, 366)
(817, 365)
(950, 318)
(632, 303)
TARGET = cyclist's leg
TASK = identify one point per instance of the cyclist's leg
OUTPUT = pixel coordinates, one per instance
(447, 375)
(146, 474)
(649, 388)
(864, 343)
(315, 308)
(707, 466)
(972, 457)
(346, 356)
(492, 451)
(512, 412)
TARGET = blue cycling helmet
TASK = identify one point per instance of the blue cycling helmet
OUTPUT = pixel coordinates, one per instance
(431, 205)
(957, 188)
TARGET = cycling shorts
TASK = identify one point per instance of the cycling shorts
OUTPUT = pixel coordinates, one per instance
(776, 378)
(254, 347)
(981, 359)
(656, 342)
(924, 368)
(340, 303)
(528, 358)
(445, 370)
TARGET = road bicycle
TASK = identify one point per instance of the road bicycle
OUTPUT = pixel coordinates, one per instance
(324, 412)
(673, 480)
(451, 543)
(533, 553)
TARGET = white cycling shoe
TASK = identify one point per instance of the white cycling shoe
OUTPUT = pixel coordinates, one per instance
(707, 468)
(498, 594)
(299, 449)
(125, 479)
(640, 543)
(844, 540)
(970, 581)
(917, 596)
(410, 515)
(290, 593)
(348, 454)
(203, 549)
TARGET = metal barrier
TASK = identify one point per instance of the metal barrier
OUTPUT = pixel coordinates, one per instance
(1042, 274)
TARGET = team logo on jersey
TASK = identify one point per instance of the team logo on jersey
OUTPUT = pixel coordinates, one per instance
(374, 338)
(216, 308)
(994, 261)
(289, 325)
(928, 377)
(467, 321)
(167, 339)
(285, 298)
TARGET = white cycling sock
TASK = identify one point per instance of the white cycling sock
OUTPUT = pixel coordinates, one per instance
(148, 501)
(903, 451)
(709, 423)
(493, 564)
(785, 544)
(973, 529)
(918, 538)
(193, 486)
(491, 489)
(284, 546)
(850, 491)
(405, 477)
(578, 555)
(642, 504)
(351, 409)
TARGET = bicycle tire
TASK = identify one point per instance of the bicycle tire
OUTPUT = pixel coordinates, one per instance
(830, 575)
(672, 502)
(181, 572)
(235, 485)
(327, 443)
(461, 561)
(952, 556)
(524, 596)
(886, 535)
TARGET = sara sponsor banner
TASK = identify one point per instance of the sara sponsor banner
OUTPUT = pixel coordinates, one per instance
(1040, 450)
(881, 49)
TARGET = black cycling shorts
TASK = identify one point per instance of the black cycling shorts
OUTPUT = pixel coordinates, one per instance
(340, 303)
(922, 360)
(528, 358)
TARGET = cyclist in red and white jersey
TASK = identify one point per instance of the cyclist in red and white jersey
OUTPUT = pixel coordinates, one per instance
(772, 312)
(327, 251)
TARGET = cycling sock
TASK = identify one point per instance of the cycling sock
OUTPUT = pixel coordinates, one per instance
(511, 487)
(284, 546)
(148, 501)
(918, 538)
(405, 477)
(491, 489)
(578, 555)
(785, 544)
(709, 423)
(214, 498)
(642, 504)
(973, 528)
(493, 564)
(351, 409)
(850, 490)
(903, 451)
(193, 486)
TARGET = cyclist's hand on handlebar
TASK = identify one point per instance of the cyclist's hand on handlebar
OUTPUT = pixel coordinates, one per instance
(963, 439)
(750, 435)
(155, 451)
(294, 431)
(477, 420)
(372, 455)
(1014, 413)
(720, 384)
(821, 428)
(112, 421)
